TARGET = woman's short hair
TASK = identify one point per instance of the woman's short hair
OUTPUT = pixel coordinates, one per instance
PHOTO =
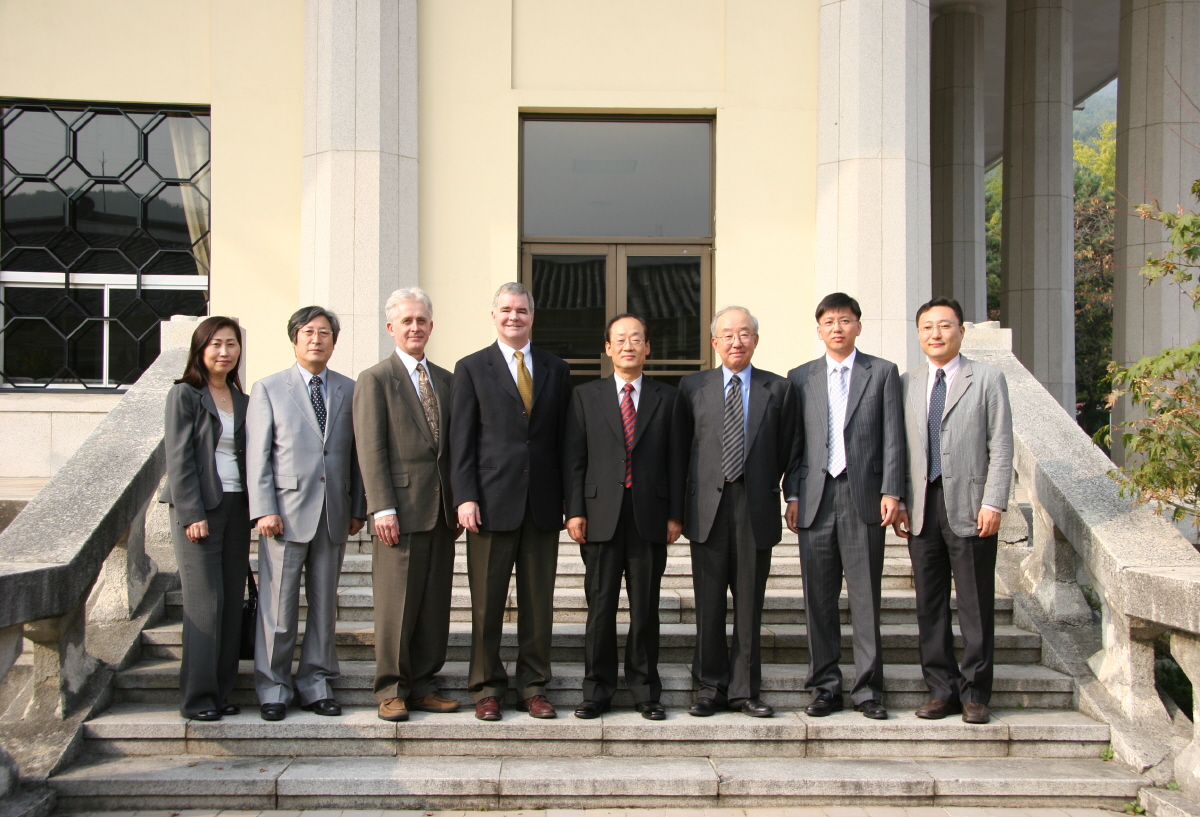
(307, 314)
(407, 294)
(195, 373)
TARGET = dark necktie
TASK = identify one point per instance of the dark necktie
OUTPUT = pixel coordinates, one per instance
(937, 405)
(733, 432)
(429, 402)
(628, 423)
(318, 401)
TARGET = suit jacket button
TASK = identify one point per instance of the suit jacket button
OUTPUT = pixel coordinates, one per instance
(526, 473)
(529, 442)
(524, 413)
(322, 479)
(437, 487)
(719, 490)
(326, 453)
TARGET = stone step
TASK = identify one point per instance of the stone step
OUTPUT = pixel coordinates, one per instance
(676, 606)
(1016, 686)
(781, 643)
(785, 571)
(179, 782)
(148, 729)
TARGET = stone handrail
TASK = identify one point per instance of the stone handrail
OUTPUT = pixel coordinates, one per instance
(1084, 534)
(74, 560)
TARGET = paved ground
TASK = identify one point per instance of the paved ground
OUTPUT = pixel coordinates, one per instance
(832, 811)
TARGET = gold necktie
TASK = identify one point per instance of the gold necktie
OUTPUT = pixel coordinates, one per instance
(429, 402)
(524, 382)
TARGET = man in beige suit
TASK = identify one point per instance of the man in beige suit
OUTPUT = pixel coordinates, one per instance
(401, 415)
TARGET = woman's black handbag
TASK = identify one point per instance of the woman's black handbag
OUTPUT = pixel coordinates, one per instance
(249, 617)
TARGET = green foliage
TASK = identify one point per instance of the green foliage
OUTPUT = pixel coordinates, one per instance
(1099, 156)
(1107, 754)
(1132, 807)
(1163, 446)
(993, 200)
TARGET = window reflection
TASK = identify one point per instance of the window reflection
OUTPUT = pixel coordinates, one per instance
(665, 292)
(569, 297)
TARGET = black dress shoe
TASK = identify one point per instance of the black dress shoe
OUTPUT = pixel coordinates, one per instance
(755, 708)
(651, 710)
(590, 709)
(231, 709)
(874, 710)
(207, 715)
(273, 712)
(702, 707)
(824, 703)
(325, 706)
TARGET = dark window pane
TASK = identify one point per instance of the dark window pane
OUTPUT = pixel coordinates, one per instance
(67, 246)
(33, 352)
(31, 261)
(85, 353)
(70, 177)
(34, 142)
(142, 181)
(177, 216)
(138, 248)
(108, 262)
(106, 214)
(665, 292)
(569, 300)
(46, 330)
(174, 263)
(106, 144)
(135, 336)
(177, 147)
(34, 213)
(593, 178)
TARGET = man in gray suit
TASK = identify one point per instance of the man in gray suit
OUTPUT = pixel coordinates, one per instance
(740, 421)
(960, 449)
(306, 496)
(401, 419)
(842, 494)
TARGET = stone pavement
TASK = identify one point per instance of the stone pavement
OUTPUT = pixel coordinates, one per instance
(832, 811)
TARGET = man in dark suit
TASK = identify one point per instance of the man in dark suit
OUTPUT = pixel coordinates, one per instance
(741, 421)
(306, 497)
(624, 475)
(509, 406)
(960, 449)
(401, 415)
(843, 491)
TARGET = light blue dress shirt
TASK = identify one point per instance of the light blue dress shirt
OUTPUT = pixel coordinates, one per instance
(744, 378)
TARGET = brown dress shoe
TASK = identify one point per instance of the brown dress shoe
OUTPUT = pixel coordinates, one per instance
(393, 709)
(433, 702)
(936, 709)
(488, 709)
(975, 712)
(537, 707)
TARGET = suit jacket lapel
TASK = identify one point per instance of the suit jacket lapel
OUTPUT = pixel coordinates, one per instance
(442, 385)
(758, 408)
(206, 400)
(816, 392)
(298, 391)
(408, 396)
(543, 373)
(647, 404)
(239, 411)
(962, 382)
(611, 408)
(918, 405)
(499, 369)
(334, 390)
(860, 375)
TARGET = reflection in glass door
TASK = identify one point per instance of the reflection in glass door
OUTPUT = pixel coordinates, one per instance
(578, 287)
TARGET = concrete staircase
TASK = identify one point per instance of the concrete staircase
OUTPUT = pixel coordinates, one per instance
(1038, 750)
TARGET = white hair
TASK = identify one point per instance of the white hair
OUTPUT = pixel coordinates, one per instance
(712, 327)
(513, 288)
(392, 307)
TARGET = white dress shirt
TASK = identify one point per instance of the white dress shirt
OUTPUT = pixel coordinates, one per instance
(636, 395)
(510, 357)
(410, 363)
(226, 455)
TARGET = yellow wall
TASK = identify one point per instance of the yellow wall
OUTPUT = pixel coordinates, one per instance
(244, 59)
(753, 64)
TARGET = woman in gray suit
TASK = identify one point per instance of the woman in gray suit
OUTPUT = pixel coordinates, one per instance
(205, 442)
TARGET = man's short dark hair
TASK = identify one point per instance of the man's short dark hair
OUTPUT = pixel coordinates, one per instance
(306, 315)
(838, 300)
(940, 301)
(608, 326)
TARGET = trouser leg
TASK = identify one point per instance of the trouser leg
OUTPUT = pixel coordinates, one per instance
(280, 564)
(931, 578)
(318, 654)
(490, 558)
(200, 577)
(431, 631)
(536, 567)
(235, 565)
(749, 584)
(602, 562)
(821, 575)
(644, 565)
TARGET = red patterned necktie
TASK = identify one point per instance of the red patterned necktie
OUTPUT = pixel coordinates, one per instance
(628, 422)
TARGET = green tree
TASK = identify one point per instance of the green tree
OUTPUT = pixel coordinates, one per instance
(1162, 448)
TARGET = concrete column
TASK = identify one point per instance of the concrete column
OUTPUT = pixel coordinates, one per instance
(1038, 253)
(872, 238)
(359, 206)
(1157, 161)
(956, 159)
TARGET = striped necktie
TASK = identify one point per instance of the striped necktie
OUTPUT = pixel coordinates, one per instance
(733, 432)
(628, 423)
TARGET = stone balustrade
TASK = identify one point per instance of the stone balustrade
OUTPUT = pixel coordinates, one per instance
(73, 567)
(1141, 573)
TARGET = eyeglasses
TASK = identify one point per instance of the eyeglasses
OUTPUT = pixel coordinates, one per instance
(636, 343)
(309, 334)
(941, 326)
(744, 337)
(841, 323)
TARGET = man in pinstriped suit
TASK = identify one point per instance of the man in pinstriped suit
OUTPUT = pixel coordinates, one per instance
(843, 492)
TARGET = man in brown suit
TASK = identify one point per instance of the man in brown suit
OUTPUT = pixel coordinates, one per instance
(401, 415)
